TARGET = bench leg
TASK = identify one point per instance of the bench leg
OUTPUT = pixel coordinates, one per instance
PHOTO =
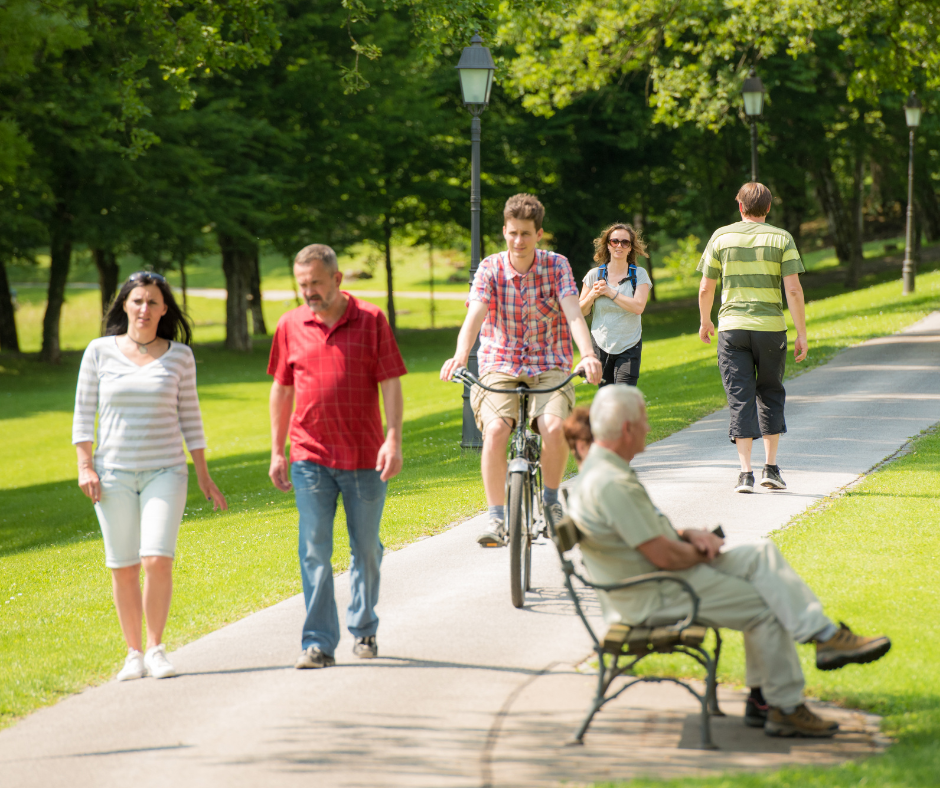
(713, 688)
(710, 683)
(603, 682)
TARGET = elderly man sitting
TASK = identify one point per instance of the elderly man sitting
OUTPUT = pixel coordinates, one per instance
(750, 588)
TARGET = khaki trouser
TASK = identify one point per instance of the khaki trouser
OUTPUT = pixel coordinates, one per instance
(753, 589)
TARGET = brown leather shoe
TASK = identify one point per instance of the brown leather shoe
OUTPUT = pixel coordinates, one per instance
(846, 647)
(802, 722)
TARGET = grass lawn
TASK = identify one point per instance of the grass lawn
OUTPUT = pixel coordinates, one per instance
(52, 578)
(870, 558)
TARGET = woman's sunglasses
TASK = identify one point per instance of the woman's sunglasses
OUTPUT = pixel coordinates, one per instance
(146, 275)
(625, 242)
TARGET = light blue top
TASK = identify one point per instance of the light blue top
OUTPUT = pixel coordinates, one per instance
(616, 329)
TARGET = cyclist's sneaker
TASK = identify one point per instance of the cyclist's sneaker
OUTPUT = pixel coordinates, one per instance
(494, 535)
(313, 657)
(755, 710)
(771, 478)
(555, 512)
(366, 648)
(802, 722)
(845, 647)
(745, 482)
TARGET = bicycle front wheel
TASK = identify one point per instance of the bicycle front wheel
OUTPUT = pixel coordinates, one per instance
(519, 538)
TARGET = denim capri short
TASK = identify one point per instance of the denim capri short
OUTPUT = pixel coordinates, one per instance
(140, 513)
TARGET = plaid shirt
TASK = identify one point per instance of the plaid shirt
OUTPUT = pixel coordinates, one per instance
(525, 331)
(335, 373)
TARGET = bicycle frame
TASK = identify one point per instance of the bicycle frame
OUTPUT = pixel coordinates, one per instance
(523, 484)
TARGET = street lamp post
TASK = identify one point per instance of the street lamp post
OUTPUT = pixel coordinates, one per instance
(753, 92)
(912, 111)
(476, 69)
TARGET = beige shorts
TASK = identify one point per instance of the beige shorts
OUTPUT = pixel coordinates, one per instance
(488, 407)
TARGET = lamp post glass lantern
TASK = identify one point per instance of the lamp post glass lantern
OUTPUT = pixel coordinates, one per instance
(753, 92)
(476, 69)
(912, 113)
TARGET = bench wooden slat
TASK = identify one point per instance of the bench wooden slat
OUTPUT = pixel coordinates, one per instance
(615, 638)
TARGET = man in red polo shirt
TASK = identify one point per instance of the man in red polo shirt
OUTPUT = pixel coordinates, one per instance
(330, 357)
(524, 305)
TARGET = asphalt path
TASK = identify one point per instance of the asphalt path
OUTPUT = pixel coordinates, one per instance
(469, 691)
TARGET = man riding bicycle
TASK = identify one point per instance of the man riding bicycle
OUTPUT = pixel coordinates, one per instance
(521, 304)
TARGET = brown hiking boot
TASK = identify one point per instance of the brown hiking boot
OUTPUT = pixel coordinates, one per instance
(846, 647)
(802, 722)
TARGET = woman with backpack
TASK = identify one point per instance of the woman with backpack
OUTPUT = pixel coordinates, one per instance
(615, 293)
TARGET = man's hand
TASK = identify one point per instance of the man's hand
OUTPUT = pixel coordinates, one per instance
(591, 369)
(706, 331)
(451, 366)
(708, 544)
(279, 473)
(800, 348)
(389, 460)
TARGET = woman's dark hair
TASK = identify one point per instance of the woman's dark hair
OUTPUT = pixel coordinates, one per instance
(173, 325)
(577, 427)
(637, 244)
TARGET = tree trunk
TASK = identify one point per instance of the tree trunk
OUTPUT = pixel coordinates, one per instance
(8, 338)
(236, 264)
(840, 223)
(431, 278)
(257, 313)
(387, 226)
(925, 199)
(60, 252)
(854, 271)
(639, 222)
(108, 271)
(183, 285)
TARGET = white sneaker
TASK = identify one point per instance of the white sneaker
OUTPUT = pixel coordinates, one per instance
(133, 666)
(157, 664)
(494, 535)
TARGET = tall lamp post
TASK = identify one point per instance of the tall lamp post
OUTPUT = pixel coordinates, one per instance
(753, 92)
(476, 68)
(912, 111)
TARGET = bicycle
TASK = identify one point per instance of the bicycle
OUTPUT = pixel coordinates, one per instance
(523, 484)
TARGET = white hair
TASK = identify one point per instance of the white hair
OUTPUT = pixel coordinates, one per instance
(612, 407)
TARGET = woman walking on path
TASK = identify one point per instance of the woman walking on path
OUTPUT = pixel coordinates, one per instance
(140, 379)
(616, 291)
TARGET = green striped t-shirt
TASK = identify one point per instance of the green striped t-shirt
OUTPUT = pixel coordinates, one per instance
(751, 258)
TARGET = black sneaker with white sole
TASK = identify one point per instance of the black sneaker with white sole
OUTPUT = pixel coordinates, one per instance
(771, 478)
(745, 482)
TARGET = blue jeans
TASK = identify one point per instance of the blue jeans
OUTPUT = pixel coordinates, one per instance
(317, 489)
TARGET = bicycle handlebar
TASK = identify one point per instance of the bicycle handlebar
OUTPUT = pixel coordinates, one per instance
(464, 375)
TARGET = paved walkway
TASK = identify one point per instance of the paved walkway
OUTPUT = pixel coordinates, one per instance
(469, 691)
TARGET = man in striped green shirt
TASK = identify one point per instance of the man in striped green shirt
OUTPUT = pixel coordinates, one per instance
(751, 258)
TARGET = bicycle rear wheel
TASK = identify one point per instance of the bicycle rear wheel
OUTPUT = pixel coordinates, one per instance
(519, 538)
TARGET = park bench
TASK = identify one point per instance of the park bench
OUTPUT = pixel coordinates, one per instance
(623, 647)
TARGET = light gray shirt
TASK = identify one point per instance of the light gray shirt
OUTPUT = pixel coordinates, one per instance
(615, 329)
(143, 412)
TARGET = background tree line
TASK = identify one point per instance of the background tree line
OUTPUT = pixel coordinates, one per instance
(294, 122)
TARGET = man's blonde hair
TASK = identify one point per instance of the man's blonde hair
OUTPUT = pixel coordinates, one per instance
(523, 207)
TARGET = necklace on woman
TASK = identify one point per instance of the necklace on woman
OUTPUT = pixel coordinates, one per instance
(142, 346)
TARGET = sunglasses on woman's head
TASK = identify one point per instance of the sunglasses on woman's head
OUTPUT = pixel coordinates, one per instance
(146, 275)
(620, 242)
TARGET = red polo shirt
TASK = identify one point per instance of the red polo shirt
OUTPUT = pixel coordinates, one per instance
(335, 373)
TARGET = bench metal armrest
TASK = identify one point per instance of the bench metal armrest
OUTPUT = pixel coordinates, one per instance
(652, 577)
